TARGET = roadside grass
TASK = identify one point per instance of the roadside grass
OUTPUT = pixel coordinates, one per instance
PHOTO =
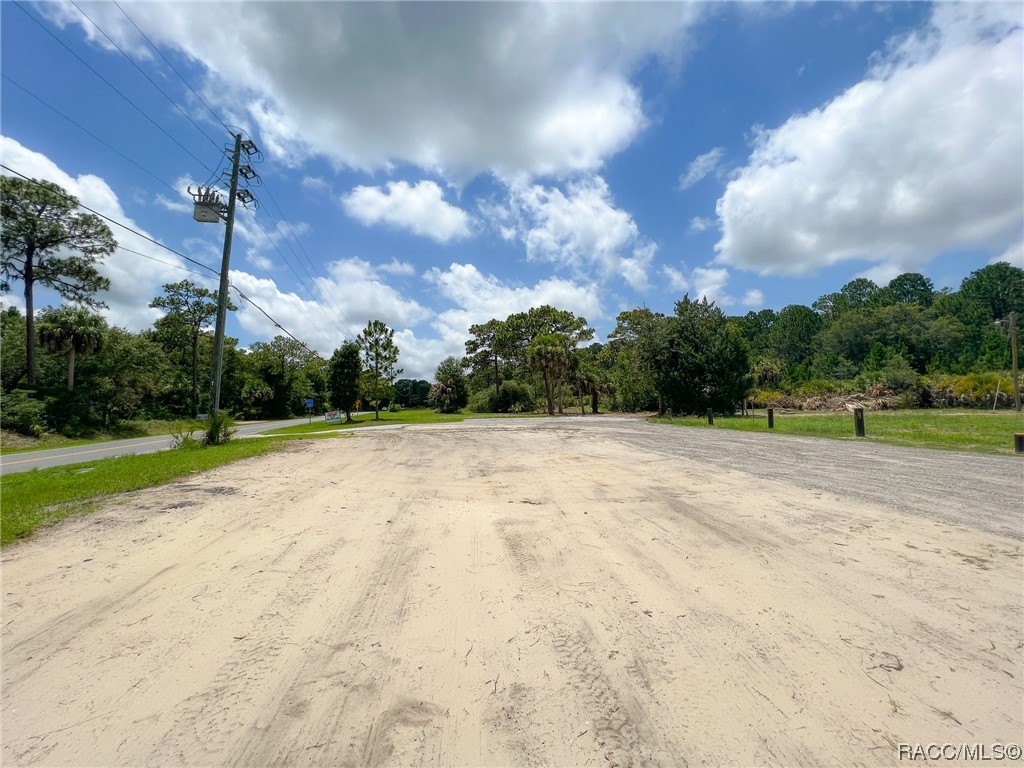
(40, 497)
(947, 429)
(404, 416)
(12, 442)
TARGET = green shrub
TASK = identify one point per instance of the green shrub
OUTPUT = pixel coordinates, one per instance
(972, 390)
(22, 413)
(895, 375)
(514, 397)
(219, 429)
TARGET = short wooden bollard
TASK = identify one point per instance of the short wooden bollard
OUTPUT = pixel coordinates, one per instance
(711, 417)
(858, 421)
(1018, 442)
(771, 418)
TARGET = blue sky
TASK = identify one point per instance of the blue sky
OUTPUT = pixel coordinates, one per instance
(436, 165)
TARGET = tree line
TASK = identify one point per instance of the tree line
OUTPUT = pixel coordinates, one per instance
(66, 369)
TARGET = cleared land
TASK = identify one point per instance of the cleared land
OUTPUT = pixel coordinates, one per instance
(594, 591)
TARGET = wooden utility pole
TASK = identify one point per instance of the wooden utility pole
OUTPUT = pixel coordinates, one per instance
(222, 295)
(1013, 360)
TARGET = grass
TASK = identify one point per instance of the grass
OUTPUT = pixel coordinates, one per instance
(949, 429)
(29, 500)
(404, 416)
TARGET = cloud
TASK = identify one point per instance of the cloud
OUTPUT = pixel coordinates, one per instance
(697, 224)
(479, 297)
(455, 88)
(396, 267)
(134, 279)
(753, 298)
(1014, 255)
(322, 319)
(676, 280)
(709, 283)
(579, 229)
(922, 157)
(178, 205)
(420, 209)
(315, 185)
(701, 166)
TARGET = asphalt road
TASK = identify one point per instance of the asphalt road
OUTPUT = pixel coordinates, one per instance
(22, 462)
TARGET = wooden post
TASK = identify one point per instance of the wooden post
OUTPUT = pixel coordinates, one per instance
(858, 421)
(711, 417)
(1018, 442)
(771, 418)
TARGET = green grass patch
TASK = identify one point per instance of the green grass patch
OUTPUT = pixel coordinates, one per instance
(404, 416)
(32, 499)
(949, 429)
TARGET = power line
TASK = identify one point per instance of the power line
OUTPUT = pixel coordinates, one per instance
(161, 261)
(112, 221)
(93, 135)
(276, 324)
(338, 313)
(145, 75)
(254, 260)
(168, 248)
(111, 85)
(297, 276)
(173, 68)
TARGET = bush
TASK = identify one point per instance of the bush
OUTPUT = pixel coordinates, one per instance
(219, 429)
(20, 412)
(973, 390)
(514, 397)
(895, 375)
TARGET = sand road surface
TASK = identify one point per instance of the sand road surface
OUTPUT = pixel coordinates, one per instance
(587, 592)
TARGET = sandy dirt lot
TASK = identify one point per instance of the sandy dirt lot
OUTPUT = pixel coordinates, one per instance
(591, 592)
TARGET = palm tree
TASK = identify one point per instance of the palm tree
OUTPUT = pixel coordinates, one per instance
(72, 331)
(545, 354)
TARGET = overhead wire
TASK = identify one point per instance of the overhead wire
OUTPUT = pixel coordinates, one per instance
(113, 221)
(253, 258)
(68, 197)
(337, 310)
(213, 172)
(173, 68)
(301, 282)
(338, 314)
(92, 135)
(114, 88)
(145, 74)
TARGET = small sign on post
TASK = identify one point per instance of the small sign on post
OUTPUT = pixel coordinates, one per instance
(332, 417)
(858, 421)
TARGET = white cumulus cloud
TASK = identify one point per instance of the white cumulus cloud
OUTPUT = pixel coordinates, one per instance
(753, 298)
(421, 209)
(579, 229)
(921, 157)
(709, 283)
(456, 88)
(134, 279)
(676, 279)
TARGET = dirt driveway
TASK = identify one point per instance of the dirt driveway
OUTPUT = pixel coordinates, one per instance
(593, 591)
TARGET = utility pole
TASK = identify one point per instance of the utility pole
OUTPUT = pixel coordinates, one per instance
(1013, 360)
(222, 293)
(210, 209)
